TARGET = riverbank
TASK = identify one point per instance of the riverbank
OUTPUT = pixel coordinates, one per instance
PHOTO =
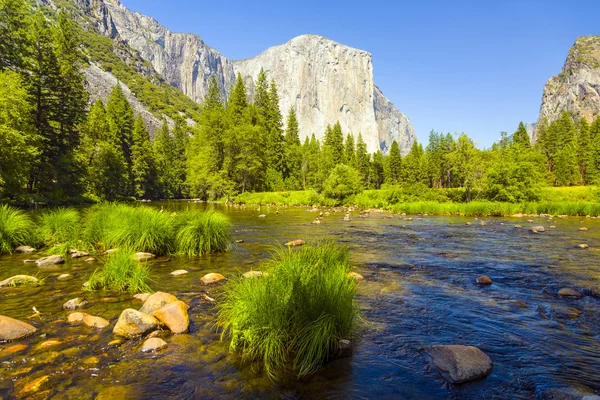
(572, 201)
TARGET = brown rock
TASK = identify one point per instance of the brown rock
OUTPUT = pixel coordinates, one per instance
(484, 280)
(293, 243)
(76, 317)
(583, 246)
(253, 274)
(458, 363)
(595, 291)
(79, 254)
(12, 329)
(174, 316)
(154, 344)
(583, 229)
(537, 229)
(33, 386)
(212, 278)
(133, 323)
(95, 322)
(355, 275)
(15, 348)
(49, 343)
(141, 296)
(91, 259)
(344, 348)
(156, 301)
(570, 293)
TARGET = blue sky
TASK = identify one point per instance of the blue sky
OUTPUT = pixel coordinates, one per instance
(453, 66)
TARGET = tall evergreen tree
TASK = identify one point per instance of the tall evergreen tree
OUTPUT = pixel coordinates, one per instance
(350, 151)
(181, 140)
(395, 163)
(377, 168)
(120, 124)
(14, 27)
(165, 153)
(521, 136)
(584, 151)
(143, 165)
(362, 160)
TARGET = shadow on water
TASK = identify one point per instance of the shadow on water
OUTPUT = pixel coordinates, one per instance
(419, 290)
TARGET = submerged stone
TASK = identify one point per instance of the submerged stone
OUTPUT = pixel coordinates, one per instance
(95, 322)
(484, 280)
(76, 317)
(75, 303)
(154, 344)
(18, 280)
(570, 293)
(24, 249)
(179, 272)
(13, 329)
(143, 256)
(355, 275)
(458, 363)
(293, 243)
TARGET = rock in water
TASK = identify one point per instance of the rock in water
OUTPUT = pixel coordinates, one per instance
(132, 323)
(143, 256)
(179, 272)
(24, 249)
(262, 216)
(18, 280)
(156, 301)
(75, 303)
(79, 254)
(293, 243)
(95, 322)
(174, 316)
(212, 278)
(76, 317)
(484, 280)
(537, 229)
(458, 363)
(50, 260)
(12, 329)
(356, 276)
(570, 293)
(253, 274)
(154, 344)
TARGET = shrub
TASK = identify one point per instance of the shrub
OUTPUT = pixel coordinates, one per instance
(60, 230)
(16, 228)
(342, 182)
(292, 318)
(121, 273)
(202, 232)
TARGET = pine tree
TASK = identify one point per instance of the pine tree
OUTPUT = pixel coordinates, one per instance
(395, 163)
(521, 136)
(464, 162)
(565, 166)
(143, 165)
(120, 124)
(377, 169)
(14, 26)
(275, 130)
(181, 140)
(584, 151)
(362, 160)
(350, 151)
(165, 153)
(293, 153)
(333, 146)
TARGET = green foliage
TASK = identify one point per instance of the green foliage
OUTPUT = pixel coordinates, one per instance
(121, 273)
(342, 182)
(60, 229)
(201, 233)
(16, 229)
(292, 318)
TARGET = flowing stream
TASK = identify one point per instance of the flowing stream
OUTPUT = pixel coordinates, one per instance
(419, 290)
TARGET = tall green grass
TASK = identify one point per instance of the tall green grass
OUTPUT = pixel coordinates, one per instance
(16, 229)
(60, 230)
(121, 273)
(292, 318)
(200, 233)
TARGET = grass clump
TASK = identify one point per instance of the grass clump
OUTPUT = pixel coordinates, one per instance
(121, 273)
(60, 229)
(200, 233)
(292, 318)
(16, 229)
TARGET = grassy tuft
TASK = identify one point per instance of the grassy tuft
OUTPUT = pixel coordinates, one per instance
(60, 230)
(121, 273)
(291, 319)
(16, 229)
(201, 233)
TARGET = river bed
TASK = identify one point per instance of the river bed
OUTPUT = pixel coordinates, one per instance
(419, 290)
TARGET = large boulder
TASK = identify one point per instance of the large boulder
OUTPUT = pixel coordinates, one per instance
(174, 316)
(458, 363)
(212, 278)
(12, 329)
(156, 301)
(18, 280)
(134, 323)
(50, 260)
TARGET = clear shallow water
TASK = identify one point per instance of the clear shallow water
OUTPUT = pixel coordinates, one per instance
(419, 290)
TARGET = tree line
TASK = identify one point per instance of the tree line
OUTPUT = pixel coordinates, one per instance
(54, 146)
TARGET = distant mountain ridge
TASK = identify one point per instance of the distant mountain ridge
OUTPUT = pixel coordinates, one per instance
(323, 80)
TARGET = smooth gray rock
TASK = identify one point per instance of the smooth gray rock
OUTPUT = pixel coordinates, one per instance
(458, 363)
(74, 304)
(50, 260)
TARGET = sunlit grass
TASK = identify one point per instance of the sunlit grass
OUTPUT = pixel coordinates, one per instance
(292, 318)
(60, 230)
(202, 232)
(16, 229)
(121, 273)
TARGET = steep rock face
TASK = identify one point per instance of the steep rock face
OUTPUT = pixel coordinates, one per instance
(323, 80)
(100, 83)
(577, 88)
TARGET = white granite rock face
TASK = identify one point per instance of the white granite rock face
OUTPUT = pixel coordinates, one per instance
(323, 80)
(577, 88)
